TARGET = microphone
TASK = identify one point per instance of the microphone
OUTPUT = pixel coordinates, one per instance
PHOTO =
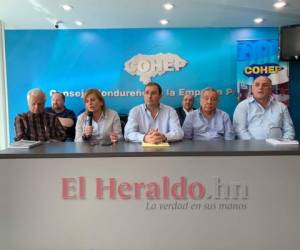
(90, 118)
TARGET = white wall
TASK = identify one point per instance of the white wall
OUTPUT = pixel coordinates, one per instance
(3, 92)
(35, 217)
(3, 208)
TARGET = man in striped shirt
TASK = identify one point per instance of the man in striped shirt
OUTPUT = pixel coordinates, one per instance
(36, 124)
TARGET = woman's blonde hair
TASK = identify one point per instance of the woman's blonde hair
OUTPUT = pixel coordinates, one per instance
(97, 93)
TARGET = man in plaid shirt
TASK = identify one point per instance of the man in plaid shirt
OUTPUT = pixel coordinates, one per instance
(36, 124)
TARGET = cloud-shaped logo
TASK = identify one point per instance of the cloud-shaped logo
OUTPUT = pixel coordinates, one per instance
(147, 66)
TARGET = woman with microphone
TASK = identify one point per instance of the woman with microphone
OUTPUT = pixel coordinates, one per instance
(97, 122)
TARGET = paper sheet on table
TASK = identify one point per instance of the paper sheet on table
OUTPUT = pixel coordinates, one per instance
(160, 145)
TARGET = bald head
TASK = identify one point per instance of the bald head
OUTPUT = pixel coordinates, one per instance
(262, 88)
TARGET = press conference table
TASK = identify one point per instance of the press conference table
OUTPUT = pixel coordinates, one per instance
(125, 196)
(126, 149)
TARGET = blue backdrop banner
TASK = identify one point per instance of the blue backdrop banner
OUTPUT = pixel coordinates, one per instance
(71, 61)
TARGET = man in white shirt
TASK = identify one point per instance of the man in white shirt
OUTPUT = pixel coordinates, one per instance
(153, 122)
(261, 116)
(187, 107)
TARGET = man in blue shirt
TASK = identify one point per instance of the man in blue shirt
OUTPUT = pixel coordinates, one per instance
(153, 122)
(208, 122)
(261, 116)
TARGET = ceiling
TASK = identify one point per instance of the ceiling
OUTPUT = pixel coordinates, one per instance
(42, 14)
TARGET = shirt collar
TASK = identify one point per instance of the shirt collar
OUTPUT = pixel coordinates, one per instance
(102, 116)
(252, 99)
(201, 114)
(36, 114)
(60, 111)
(146, 108)
(186, 110)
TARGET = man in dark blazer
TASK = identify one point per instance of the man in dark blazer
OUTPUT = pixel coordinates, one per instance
(187, 106)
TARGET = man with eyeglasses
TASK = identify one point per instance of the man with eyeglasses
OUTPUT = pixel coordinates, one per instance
(261, 116)
(208, 122)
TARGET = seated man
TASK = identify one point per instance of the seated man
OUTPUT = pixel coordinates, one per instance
(38, 125)
(261, 116)
(66, 116)
(187, 106)
(153, 122)
(208, 122)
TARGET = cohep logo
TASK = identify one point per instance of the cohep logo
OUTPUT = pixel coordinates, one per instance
(255, 70)
(147, 66)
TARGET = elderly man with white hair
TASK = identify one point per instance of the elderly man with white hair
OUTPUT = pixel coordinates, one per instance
(36, 124)
(208, 122)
